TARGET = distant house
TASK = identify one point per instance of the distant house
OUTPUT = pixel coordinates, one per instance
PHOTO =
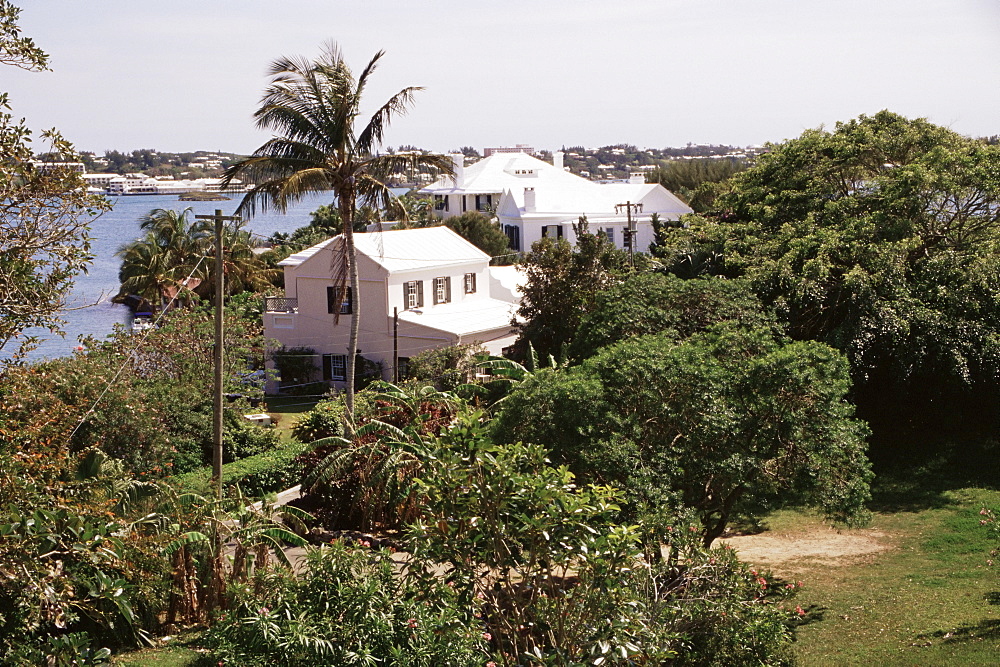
(440, 286)
(533, 199)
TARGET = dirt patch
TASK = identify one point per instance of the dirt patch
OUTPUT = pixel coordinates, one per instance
(823, 545)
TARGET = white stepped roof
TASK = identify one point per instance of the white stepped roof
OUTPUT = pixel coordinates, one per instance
(400, 250)
(598, 200)
(499, 172)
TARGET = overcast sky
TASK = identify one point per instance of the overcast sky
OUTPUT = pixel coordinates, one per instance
(184, 75)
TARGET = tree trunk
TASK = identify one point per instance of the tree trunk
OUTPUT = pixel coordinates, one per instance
(346, 203)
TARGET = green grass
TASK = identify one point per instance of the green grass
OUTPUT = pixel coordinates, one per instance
(931, 599)
(180, 651)
(287, 409)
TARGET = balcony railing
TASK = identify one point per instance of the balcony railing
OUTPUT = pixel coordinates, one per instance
(280, 304)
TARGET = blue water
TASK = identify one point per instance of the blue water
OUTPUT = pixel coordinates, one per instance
(89, 309)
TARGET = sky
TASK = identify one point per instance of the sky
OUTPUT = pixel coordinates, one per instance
(186, 75)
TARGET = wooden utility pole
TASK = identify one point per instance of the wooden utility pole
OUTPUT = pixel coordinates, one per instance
(220, 285)
(631, 231)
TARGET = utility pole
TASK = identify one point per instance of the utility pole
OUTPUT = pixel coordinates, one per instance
(220, 284)
(631, 232)
(395, 345)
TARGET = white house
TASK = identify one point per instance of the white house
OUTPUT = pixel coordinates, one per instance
(420, 289)
(550, 209)
(533, 198)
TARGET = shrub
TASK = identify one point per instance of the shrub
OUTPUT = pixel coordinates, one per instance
(325, 420)
(349, 607)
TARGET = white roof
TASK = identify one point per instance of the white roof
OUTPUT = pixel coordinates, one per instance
(400, 250)
(464, 318)
(499, 172)
(595, 200)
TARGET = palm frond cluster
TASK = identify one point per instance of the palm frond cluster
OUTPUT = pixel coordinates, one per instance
(174, 260)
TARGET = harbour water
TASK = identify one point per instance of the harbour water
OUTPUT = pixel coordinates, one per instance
(89, 310)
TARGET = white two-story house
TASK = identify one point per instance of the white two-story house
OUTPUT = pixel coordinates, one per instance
(420, 289)
(533, 199)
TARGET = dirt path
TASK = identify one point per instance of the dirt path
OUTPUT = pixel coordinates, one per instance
(820, 544)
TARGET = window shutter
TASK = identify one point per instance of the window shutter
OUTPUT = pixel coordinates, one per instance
(447, 289)
(331, 299)
(420, 294)
(327, 370)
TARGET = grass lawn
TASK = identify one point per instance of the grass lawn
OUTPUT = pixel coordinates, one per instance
(180, 651)
(287, 409)
(913, 588)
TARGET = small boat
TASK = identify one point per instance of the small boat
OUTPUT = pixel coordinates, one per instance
(142, 322)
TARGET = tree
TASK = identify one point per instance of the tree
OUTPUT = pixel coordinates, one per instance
(44, 210)
(653, 303)
(562, 283)
(480, 231)
(174, 257)
(878, 238)
(728, 423)
(314, 106)
(167, 260)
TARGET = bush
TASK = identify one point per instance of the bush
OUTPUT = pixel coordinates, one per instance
(243, 438)
(325, 420)
(265, 473)
(349, 607)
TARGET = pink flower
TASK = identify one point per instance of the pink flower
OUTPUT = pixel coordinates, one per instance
(412, 622)
(491, 664)
(365, 543)
(487, 636)
(800, 611)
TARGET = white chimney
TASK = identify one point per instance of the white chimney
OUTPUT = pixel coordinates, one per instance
(529, 200)
(458, 162)
(557, 159)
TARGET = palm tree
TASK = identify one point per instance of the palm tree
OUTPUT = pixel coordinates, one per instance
(159, 265)
(313, 108)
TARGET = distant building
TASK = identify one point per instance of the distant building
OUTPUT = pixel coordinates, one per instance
(518, 148)
(52, 166)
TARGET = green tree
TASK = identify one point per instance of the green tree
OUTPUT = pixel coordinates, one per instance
(687, 178)
(562, 283)
(314, 106)
(879, 238)
(480, 231)
(652, 303)
(728, 423)
(167, 260)
(175, 257)
(44, 210)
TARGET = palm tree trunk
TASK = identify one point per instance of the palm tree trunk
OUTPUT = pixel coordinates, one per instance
(346, 202)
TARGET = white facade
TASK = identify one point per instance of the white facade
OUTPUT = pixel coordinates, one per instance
(440, 286)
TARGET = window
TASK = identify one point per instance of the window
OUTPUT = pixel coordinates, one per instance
(484, 202)
(339, 298)
(414, 293)
(610, 233)
(440, 202)
(442, 290)
(470, 283)
(513, 233)
(552, 231)
(335, 367)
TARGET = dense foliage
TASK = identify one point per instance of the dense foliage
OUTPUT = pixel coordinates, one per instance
(879, 238)
(562, 285)
(729, 422)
